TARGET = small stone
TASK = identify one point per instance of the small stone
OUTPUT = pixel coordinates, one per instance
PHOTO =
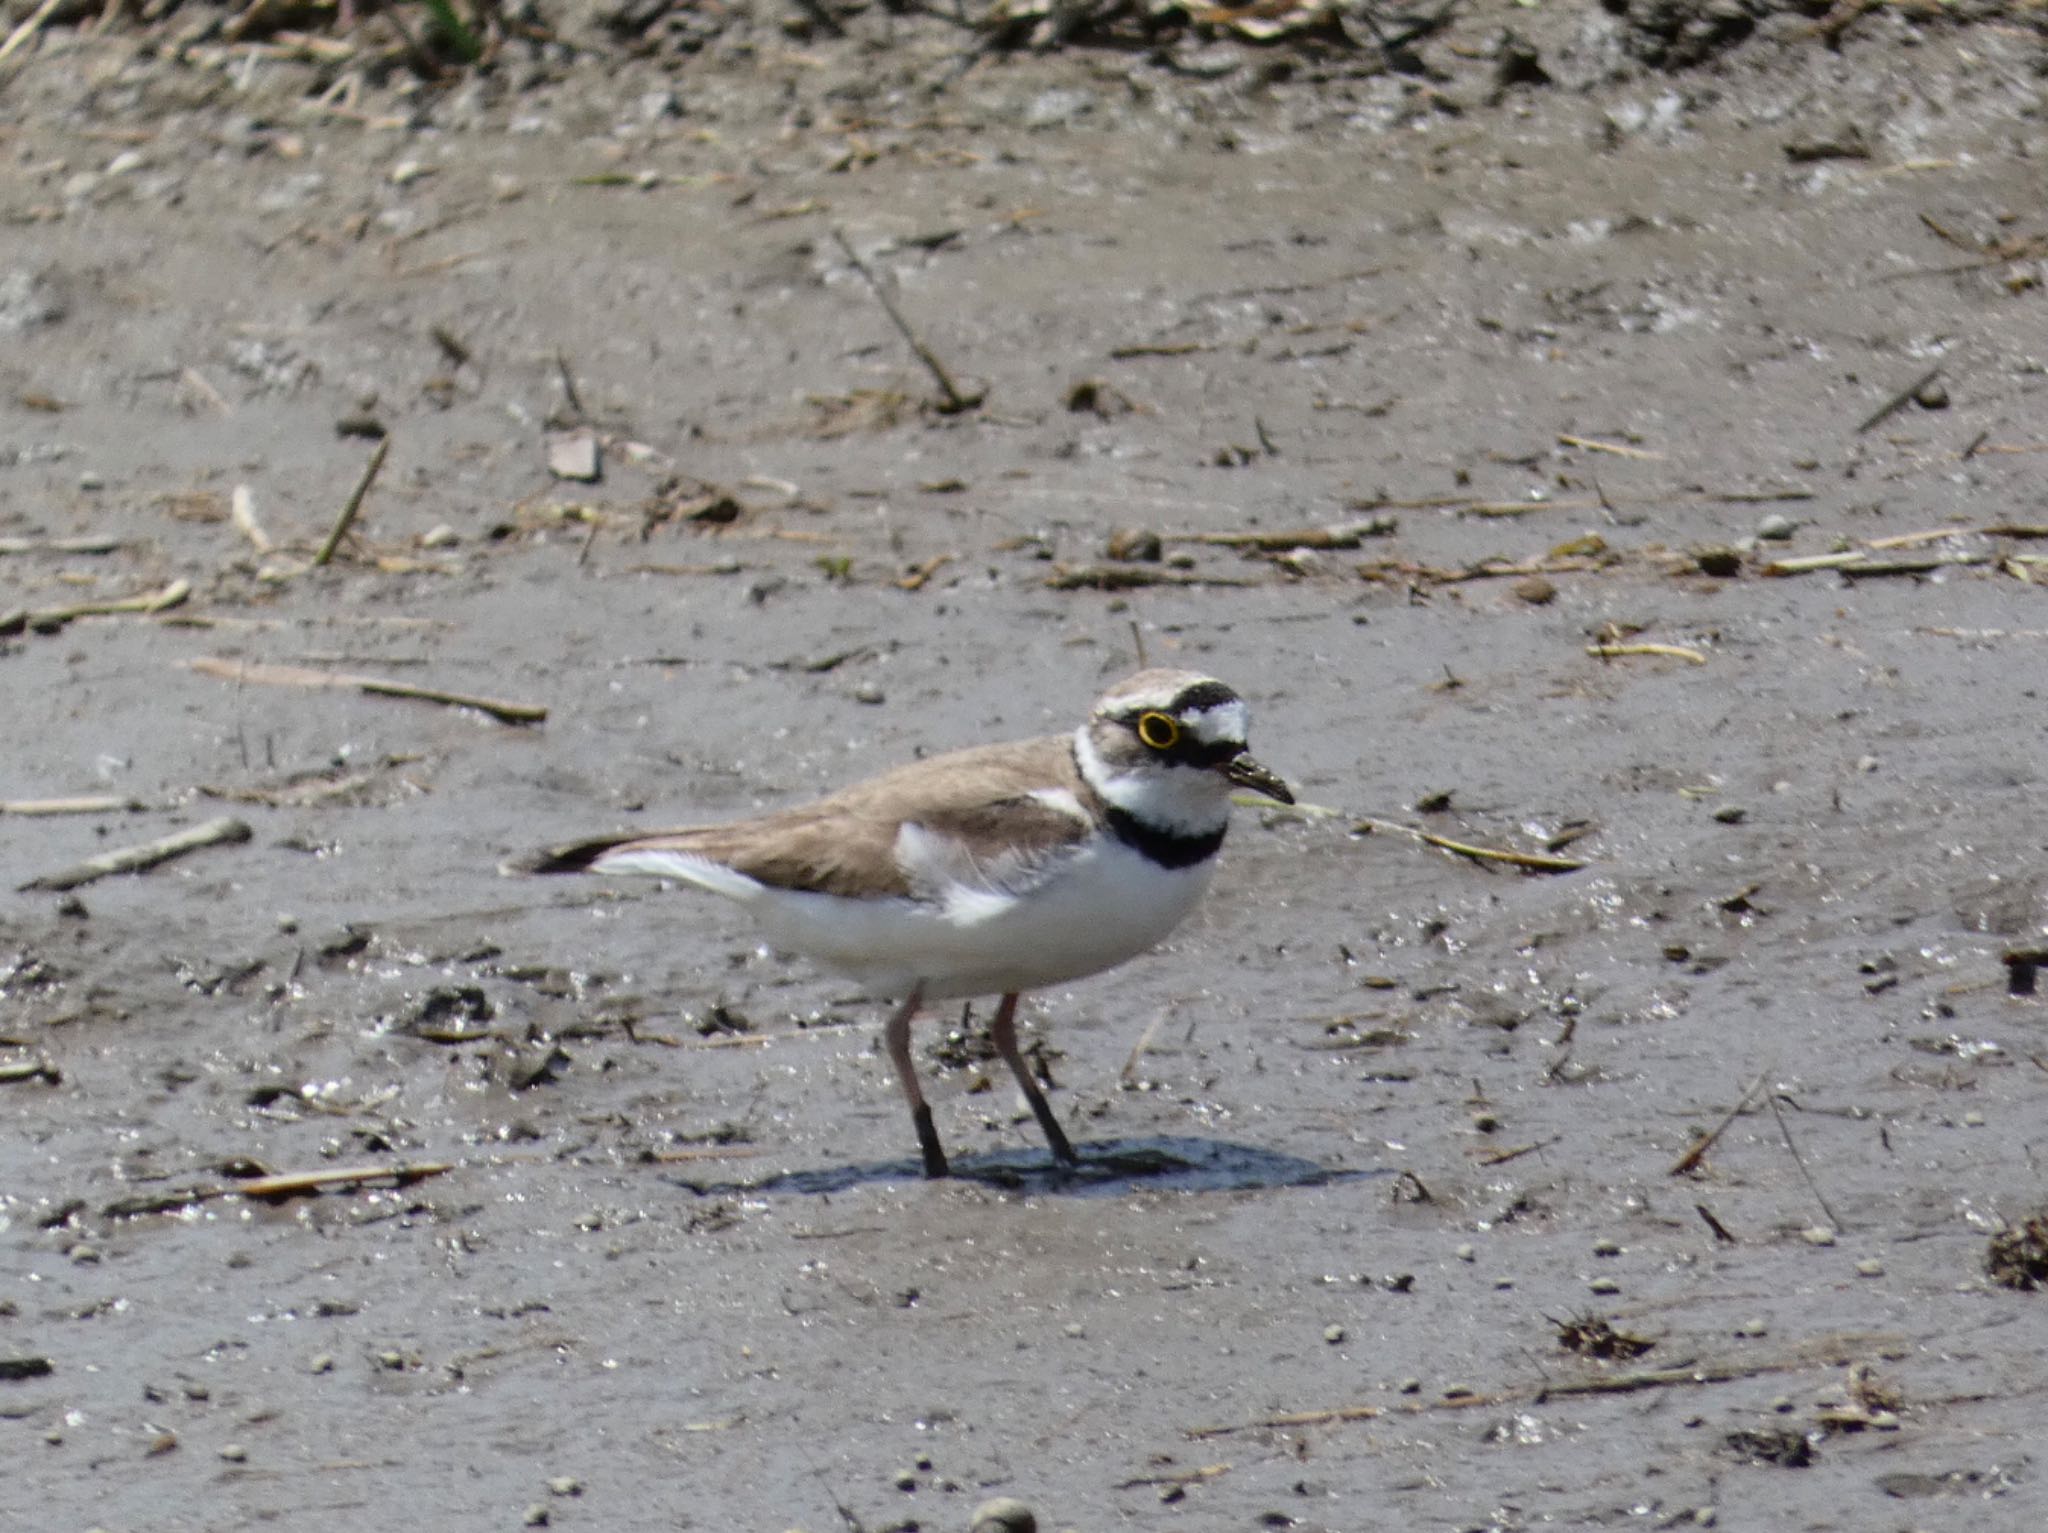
(1730, 814)
(84, 1255)
(1409, 1387)
(867, 692)
(440, 536)
(1870, 1267)
(1705, 1516)
(1776, 528)
(1754, 1327)
(1606, 1247)
(1074, 1330)
(1004, 1514)
(1784, 1405)
(538, 1515)
(90, 481)
(1333, 1334)
(1817, 1235)
(234, 1453)
(1484, 1122)
(1971, 1119)
(1466, 1252)
(573, 455)
(321, 1362)
(565, 1485)
(904, 1479)
(1931, 395)
(1135, 544)
(1604, 1285)
(1534, 590)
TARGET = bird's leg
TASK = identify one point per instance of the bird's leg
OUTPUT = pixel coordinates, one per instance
(1003, 1030)
(896, 1036)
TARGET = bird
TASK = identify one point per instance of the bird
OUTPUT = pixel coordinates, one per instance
(991, 870)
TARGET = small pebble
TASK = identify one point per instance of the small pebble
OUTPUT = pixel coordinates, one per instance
(1777, 527)
(1784, 1405)
(1485, 1122)
(1730, 814)
(1705, 1516)
(1534, 590)
(322, 1362)
(1753, 1327)
(537, 1515)
(1333, 1334)
(565, 1485)
(1004, 1514)
(1971, 1119)
(1135, 544)
(1074, 1330)
(1409, 1387)
(867, 692)
(234, 1453)
(440, 536)
(904, 1479)
(1466, 1253)
(1931, 395)
(1606, 1247)
(1818, 1235)
(90, 481)
(84, 1255)
(1870, 1266)
(1604, 1285)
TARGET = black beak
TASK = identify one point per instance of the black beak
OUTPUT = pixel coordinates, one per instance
(1247, 773)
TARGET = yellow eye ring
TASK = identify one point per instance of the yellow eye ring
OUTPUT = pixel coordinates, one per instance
(1161, 731)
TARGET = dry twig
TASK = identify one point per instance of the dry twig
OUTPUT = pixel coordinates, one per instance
(137, 859)
(377, 686)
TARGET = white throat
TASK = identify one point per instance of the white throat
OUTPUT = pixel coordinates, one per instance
(1180, 800)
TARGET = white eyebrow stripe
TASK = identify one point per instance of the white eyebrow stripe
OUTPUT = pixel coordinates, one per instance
(1226, 721)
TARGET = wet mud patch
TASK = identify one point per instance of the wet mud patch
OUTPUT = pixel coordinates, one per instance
(1601, 442)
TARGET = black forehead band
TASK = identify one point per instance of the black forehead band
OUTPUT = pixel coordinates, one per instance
(1203, 695)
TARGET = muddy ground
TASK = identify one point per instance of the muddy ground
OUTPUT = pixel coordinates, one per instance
(1557, 312)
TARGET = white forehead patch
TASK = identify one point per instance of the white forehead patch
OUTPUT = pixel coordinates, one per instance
(1229, 722)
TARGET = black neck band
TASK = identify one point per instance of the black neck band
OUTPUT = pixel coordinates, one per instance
(1168, 848)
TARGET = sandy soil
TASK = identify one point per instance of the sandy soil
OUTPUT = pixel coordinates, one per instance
(1582, 307)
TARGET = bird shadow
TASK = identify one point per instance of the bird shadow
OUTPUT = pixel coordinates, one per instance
(1167, 1163)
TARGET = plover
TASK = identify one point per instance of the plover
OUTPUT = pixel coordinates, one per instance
(988, 871)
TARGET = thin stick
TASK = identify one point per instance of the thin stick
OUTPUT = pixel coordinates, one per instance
(1537, 862)
(1899, 401)
(377, 686)
(1799, 1160)
(1619, 449)
(955, 402)
(137, 859)
(153, 601)
(285, 1185)
(28, 28)
(1128, 577)
(353, 504)
(59, 545)
(1669, 651)
(569, 385)
(1692, 1157)
(103, 803)
(242, 512)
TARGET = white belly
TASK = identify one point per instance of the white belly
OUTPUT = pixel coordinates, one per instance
(1109, 905)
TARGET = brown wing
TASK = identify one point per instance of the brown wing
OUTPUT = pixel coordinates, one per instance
(846, 844)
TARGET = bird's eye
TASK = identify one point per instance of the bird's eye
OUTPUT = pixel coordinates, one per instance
(1161, 731)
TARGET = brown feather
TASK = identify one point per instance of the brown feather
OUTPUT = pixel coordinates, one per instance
(845, 844)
